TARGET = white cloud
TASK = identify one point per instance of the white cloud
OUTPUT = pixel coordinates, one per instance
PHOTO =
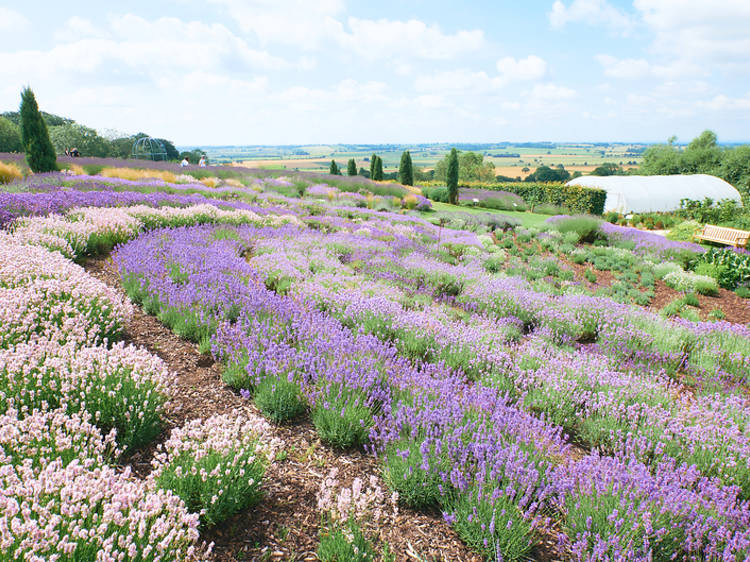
(472, 82)
(11, 20)
(722, 102)
(551, 92)
(377, 39)
(303, 23)
(592, 12)
(699, 30)
(530, 68)
(638, 69)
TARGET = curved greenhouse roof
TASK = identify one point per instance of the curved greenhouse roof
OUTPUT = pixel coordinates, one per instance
(641, 194)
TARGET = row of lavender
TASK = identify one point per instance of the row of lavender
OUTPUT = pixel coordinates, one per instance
(383, 230)
(470, 448)
(73, 403)
(583, 389)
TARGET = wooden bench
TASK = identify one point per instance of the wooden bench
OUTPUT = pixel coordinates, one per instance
(724, 235)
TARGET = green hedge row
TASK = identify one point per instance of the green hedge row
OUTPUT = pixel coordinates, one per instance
(574, 197)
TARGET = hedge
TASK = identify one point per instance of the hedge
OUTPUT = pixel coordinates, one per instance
(577, 198)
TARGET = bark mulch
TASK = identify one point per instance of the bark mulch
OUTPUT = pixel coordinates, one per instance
(285, 524)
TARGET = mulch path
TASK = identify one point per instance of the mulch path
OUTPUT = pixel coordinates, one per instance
(285, 524)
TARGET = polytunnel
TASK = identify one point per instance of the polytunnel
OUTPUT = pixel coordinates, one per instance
(640, 194)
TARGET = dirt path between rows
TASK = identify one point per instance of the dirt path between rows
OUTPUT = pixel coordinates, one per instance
(285, 524)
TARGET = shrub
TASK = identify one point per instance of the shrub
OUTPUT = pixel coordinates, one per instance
(75, 513)
(347, 513)
(586, 228)
(40, 154)
(342, 419)
(43, 436)
(438, 193)
(405, 473)
(743, 292)
(215, 465)
(279, 399)
(9, 172)
(122, 388)
(690, 282)
(737, 266)
(492, 526)
(663, 268)
(684, 231)
(724, 275)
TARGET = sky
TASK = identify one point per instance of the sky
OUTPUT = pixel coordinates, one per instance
(221, 72)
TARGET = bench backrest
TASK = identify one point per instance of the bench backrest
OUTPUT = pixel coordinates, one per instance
(725, 233)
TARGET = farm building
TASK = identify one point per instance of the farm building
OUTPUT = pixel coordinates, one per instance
(639, 194)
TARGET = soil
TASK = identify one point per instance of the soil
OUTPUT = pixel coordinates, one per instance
(286, 523)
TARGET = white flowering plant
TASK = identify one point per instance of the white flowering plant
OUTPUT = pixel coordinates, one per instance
(216, 465)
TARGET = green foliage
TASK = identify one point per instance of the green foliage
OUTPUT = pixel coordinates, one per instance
(590, 276)
(378, 174)
(351, 167)
(373, 164)
(341, 419)
(743, 292)
(279, 399)
(471, 168)
(684, 231)
(404, 473)
(493, 527)
(547, 174)
(735, 266)
(451, 176)
(586, 228)
(703, 155)
(333, 169)
(438, 193)
(40, 154)
(216, 484)
(405, 169)
(689, 282)
(345, 543)
(87, 141)
(576, 198)
(608, 169)
(10, 137)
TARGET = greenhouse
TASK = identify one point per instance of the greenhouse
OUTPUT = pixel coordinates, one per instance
(639, 194)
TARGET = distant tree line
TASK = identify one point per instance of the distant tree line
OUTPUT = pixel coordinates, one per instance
(65, 134)
(702, 156)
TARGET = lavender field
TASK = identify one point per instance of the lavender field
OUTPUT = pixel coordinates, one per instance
(497, 388)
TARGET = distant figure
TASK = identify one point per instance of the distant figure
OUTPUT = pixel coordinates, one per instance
(202, 162)
(74, 152)
(184, 162)
(67, 152)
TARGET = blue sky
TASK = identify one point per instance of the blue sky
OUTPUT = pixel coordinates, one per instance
(328, 71)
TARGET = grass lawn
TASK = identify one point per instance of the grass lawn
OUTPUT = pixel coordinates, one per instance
(527, 219)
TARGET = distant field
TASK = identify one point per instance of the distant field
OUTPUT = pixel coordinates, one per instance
(510, 160)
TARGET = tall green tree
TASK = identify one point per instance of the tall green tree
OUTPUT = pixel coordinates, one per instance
(10, 137)
(351, 167)
(451, 176)
(333, 169)
(40, 154)
(378, 169)
(373, 164)
(405, 169)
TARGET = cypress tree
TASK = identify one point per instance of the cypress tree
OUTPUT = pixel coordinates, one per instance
(405, 170)
(378, 169)
(334, 169)
(373, 164)
(351, 167)
(451, 177)
(40, 154)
